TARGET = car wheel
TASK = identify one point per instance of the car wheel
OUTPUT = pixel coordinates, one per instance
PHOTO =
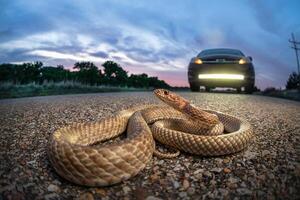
(249, 88)
(239, 90)
(207, 89)
(195, 88)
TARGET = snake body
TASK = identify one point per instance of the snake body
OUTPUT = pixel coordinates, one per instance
(74, 155)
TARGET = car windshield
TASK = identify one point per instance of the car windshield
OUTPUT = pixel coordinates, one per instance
(221, 51)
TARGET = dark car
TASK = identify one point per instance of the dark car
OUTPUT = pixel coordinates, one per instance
(221, 68)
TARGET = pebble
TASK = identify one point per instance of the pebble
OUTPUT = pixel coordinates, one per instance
(176, 184)
(191, 191)
(182, 194)
(199, 171)
(185, 184)
(126, 189)
(101, 192)
(265, 152)
(53, 188)
(217, 170)
(207, 174)
(86, 196)
(226, 170)
(152, 198)
(51, 196)
(250, 155)
(244, 191)
(223, 192)
(233, 180)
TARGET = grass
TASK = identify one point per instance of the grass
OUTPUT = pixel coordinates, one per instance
(285, 94)
(10, 90)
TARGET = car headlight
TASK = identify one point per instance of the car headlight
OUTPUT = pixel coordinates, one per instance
(242, 61)
(198, 61)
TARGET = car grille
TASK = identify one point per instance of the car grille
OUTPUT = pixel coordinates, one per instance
(220, 60)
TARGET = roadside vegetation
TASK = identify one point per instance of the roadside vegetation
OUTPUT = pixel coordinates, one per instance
(35, 79)
(291, 92)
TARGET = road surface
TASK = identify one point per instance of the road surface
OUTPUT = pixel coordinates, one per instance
(268, 168)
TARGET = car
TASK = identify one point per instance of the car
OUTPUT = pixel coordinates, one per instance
(221, 67)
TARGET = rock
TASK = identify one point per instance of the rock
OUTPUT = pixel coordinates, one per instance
(86, 196)
(223, 192)
(198, 177)
(152, 198)
(53, 188)
(217, 170)
(185, 184)
(191, 191)
(126, 189)
(199, 171)
(207, 174)
(154, 177)
(243, 191)
(271, 175)
(176, 184)
(161, 162)
(233, 180)
(101, 192)
(140, 193)
(56, 182)
(265, 152)
(182, 194)
(262, 177)
(51, 196)
(250, 155)
(225, 161)
(213, 182)
(227, 170)
(243, 184)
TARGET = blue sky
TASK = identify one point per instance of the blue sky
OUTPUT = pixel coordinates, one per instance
(154, 37)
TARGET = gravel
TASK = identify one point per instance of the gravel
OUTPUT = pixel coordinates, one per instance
(269, 168)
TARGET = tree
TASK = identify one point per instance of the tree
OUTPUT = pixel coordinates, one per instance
(156, 83)
(6, 72)
(138, 81)
(114, 74)
(88, 72)
(54, 74)
(293, 82)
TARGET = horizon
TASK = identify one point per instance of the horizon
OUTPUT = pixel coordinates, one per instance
(155, 38)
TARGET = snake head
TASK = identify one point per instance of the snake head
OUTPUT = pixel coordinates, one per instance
(171, 98)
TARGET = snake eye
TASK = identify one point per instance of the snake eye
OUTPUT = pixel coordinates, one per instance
(166, 92)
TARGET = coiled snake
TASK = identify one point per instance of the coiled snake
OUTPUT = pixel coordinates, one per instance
(181, 126)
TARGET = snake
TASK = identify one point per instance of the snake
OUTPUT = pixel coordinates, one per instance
(81, 154)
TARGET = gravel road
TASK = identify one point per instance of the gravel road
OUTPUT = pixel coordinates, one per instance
(268, 169)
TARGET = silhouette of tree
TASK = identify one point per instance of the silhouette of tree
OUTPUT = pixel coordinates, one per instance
(138, 81)
(156, 83)
(114, 74)
(293, 82)
(54, 74)
(88, 72)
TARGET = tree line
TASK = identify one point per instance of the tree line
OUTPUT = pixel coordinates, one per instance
(84, 72)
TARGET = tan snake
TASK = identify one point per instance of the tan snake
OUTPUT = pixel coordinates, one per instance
(182, 126)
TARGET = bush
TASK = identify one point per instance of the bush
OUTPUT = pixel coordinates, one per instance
(293, 82)
(269, 90)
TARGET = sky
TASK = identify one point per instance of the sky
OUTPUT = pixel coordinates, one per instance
(154, 37)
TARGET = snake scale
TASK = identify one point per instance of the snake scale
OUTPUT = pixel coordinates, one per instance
(182, 126)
